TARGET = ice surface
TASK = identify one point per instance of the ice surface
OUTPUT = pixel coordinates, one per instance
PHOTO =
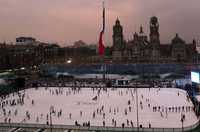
(114, 102)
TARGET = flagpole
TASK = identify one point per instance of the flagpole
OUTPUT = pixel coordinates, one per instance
(101, 45)
(103, 17)
(103, 54)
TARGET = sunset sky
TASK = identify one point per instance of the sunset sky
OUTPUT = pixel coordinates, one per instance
(65, 21)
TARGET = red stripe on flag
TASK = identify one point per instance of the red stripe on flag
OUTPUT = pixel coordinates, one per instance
(101, 45)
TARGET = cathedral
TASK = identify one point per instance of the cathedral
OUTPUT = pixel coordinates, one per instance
(142, 49)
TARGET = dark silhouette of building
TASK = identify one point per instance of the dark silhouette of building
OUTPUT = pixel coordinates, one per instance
(28, 55)
(27, 52)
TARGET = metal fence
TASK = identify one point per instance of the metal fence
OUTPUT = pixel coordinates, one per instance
(95, 128)
(118, 68)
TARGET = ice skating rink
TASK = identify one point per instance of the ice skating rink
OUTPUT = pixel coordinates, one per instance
(158, 107)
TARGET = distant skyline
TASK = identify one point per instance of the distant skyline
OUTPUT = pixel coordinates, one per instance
(66, 21)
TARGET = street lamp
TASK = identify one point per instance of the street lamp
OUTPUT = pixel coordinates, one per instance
(69, 61)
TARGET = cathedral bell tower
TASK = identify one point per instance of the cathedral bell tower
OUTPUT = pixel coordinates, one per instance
(154, 31)
(117, 35)
(118, 40)
(154, 39)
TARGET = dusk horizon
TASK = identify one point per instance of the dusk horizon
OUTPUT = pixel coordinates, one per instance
(65, 22)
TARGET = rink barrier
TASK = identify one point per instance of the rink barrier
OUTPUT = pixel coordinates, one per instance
(95, 128)
(93, 86)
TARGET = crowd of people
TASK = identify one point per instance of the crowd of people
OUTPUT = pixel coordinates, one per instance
(16, 99)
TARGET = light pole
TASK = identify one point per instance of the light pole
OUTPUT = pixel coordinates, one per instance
(182, 124)
(137, 107)
(50, 110)
(182, 120)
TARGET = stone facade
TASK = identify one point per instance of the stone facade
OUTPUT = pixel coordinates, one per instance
(142, 50)
(17, 56)
(14, 56)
